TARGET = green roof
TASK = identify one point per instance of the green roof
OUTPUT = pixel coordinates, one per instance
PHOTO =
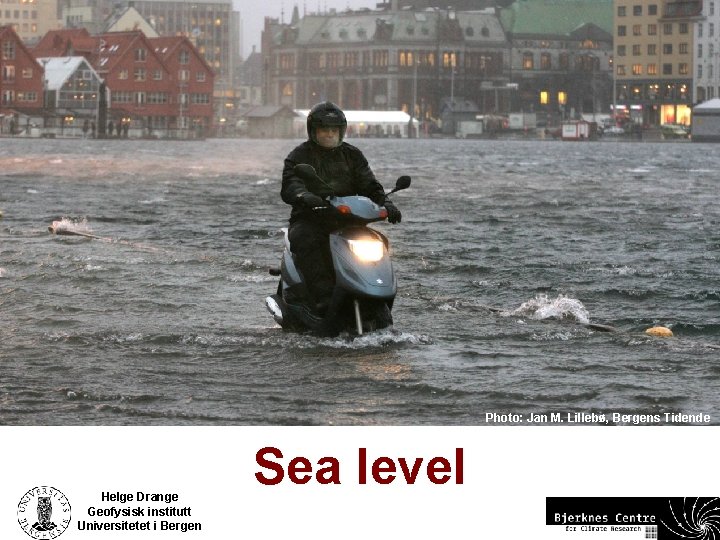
(556, 17)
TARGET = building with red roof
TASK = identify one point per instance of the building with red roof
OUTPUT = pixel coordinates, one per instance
(161, 87)
(21, 80)
(193, 81)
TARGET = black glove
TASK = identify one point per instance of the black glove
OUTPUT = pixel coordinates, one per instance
(394, 215)
(310, 200)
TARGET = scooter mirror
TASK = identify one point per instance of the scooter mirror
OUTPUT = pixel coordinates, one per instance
(402, 183)
(305, 171)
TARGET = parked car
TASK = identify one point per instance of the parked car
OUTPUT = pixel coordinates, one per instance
(674, 131)
(614, 130)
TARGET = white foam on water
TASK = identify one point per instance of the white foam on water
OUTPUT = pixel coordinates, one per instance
(68, 224)
(541, 307)
(265, 278)
(379, 338)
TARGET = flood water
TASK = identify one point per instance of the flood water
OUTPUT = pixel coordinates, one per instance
(508, 250)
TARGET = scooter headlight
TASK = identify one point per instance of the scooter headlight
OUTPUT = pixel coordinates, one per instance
(368, 250)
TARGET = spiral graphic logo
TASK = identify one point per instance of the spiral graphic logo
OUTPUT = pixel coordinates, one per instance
(694, 518)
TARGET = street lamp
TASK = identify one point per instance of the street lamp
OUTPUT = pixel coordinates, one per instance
(411, 127)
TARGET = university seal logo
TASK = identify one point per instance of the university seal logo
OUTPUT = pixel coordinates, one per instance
(44, 512)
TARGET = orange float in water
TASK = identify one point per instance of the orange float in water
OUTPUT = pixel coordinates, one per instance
(659, 331)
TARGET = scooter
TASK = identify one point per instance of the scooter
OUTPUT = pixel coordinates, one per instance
(365, 283)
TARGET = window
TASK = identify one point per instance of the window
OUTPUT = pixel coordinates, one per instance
(8, 73)
(683, 28)
(449, 59)
(140, 98)
(636, 50)
(637, 69)
(8, 97)
(637, 11)
(711, 29)
(621, 11)
(637, 30)
(183, 75)
(622, 30)
(667, 48)
(184, 57)
(700, 50)
(122, 97)
(621, 70)
(683, 68)
(157, 75)
(140, 55)
(123, 74)
(700, 71)
(200, 76)
(545, 61)
(157, 98)
(652, 9)
(667, 69)
(683, 48)
(287, 62)
(667, 29)
(652, 29)
(351, 59)
(565, 60)
(380, 58)
(528, 61)
(652, 50)
(27, 73)
(712, 8)
(700, 30)
(27, 97)
(8, 50)
(139, 74)
(621, 50)
(200, 99)
(652, 69)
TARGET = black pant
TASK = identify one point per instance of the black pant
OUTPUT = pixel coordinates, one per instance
(309, 242)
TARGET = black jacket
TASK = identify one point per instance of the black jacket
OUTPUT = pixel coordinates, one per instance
(344, 169)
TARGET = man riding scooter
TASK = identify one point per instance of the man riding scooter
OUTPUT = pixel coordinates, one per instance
(342, 170)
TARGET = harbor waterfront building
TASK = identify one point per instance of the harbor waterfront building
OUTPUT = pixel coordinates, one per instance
(212, 26)
(21, 80)
(542, 56)
(707, 53)
(402, 60)
(561, 56)
(654, 59)
(150, 87)
(30, 19)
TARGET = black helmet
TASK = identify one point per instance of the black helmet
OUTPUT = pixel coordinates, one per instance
(326, 115)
